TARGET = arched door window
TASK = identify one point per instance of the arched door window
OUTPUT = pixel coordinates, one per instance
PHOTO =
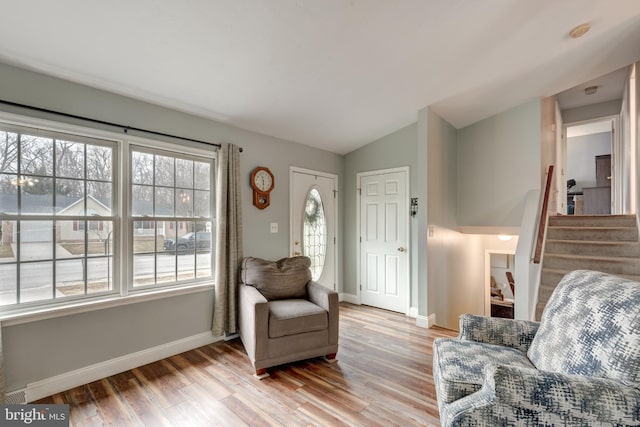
(314, 233)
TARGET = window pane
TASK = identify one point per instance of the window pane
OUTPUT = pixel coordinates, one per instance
(144, 237)
(36, 240)
(166, 265)
(164, 201)
(69, 197)
(100, 195)
(100, 237)
(184, 203)
(202, 175)
(141, 168)
(99, 274)
(36, 155)
(202, 203)
(69, 159)
(70, 239)
(36, 281)
(8, 193)
(184, 173)
(8, 284)
(143, 269)
(70, 277)
(164, 171)
(314, 238)
(37, 195)
(8, 152)
(186, 264)
(99, 163)
(142, 200)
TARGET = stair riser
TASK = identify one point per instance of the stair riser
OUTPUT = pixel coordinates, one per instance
(544, 293)
(598, 235)
(594, 249)
(617, 266)
(592, 221)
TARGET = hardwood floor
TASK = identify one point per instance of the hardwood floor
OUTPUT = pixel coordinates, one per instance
(382, 377)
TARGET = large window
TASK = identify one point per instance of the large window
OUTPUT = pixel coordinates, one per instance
(67, 233)
(171, 217)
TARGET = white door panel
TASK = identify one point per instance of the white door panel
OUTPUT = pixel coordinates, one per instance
(384, 260)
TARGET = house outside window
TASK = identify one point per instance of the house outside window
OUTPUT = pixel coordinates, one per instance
(68, 233)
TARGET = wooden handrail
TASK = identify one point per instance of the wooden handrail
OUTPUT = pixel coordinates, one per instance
(542, 224)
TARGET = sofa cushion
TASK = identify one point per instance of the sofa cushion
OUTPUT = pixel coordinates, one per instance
(459, 365)
(591, 326)
(285, 278)
(295, 316)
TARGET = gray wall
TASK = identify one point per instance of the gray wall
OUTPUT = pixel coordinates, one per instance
(394, 150)
(498, 163)
(43, 349)
(581, 157)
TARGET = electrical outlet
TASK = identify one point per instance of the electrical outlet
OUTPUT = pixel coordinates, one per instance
(274, 227)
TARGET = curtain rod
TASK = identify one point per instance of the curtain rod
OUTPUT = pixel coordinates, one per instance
(125, 128)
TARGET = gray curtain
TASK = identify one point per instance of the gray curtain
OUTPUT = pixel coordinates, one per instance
(228, 240)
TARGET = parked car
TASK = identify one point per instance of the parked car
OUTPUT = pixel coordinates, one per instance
(189, 241)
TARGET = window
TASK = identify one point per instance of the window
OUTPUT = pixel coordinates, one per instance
(174, 190)
(57, 216)
(314, 236)
(67, 234)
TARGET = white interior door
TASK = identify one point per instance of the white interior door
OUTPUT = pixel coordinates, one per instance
(313, 222)
(384, 257)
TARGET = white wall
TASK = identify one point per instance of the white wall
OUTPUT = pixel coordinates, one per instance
(499, 161)
(38, 350)
(455, 260)
(581, 157)
(593, 111)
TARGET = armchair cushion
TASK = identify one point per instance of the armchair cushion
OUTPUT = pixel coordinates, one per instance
(460, 365)
(591, 326)
(282, 279)
(294, 316)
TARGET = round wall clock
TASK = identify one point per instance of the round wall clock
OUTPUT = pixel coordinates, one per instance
(262, 183)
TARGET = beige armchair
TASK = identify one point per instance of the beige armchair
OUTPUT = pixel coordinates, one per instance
(284, 316)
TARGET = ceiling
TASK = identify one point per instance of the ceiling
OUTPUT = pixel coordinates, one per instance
(334, 74)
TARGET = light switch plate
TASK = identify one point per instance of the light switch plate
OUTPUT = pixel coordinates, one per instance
(274, 227)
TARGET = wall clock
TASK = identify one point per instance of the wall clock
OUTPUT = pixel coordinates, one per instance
(262, 183)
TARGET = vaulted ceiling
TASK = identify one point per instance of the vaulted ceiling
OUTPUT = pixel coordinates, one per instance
(334, 74)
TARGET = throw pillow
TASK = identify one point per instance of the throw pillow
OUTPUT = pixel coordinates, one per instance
(282, 279)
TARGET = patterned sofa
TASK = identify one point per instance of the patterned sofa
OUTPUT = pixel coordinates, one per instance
(580, 366)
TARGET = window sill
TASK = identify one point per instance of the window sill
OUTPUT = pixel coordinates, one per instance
(42, 313)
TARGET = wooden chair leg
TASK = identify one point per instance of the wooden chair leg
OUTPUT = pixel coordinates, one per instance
(262, 373)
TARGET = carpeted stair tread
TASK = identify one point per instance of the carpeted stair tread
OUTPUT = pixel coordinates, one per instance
(561, 273)
(592, 247)
(587, 220)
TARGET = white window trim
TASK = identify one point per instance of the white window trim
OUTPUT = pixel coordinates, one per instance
(14, 315)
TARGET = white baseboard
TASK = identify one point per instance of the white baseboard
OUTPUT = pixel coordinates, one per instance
(413, 312)
(350, 298)
(426, 321)
(78, 377)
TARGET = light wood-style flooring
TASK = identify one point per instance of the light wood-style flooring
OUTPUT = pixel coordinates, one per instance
(382, 377)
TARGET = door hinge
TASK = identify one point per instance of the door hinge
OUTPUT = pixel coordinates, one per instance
(360, 286)
(334, 240)
(360, 239)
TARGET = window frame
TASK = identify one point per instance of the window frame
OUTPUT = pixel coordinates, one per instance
(179, 220)
(122, 291)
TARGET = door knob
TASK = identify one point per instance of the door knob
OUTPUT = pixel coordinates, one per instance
(401, 249)
(296, 253)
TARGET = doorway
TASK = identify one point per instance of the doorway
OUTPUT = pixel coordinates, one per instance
(313, 222)
(592, 164)
(500, 287)
(383, 221)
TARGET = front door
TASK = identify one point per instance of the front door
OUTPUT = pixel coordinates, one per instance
(313, 222)
(384, 257)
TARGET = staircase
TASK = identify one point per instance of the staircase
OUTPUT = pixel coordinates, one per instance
(607, 243)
